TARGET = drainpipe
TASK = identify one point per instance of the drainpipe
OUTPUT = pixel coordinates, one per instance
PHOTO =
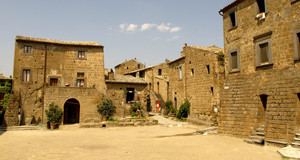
(45, 78)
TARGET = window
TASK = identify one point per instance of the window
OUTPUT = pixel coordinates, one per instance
(232, 22)
(180, 72)
(208, 69)
(212, 90)
(234, 61)
(157, 87)
(159, 72)
(260, 6)
(26, 75)
(53, 81)
(297, 44)
(138, 66)
(192, 72)
(80, 80)
(27, 49)
(81, 55)
(263, 49)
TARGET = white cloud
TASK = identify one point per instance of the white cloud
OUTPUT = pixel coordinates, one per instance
(163, 28)
(173, 38)
(147, 26)
(175, 29)
(132, 28)
(123, 26)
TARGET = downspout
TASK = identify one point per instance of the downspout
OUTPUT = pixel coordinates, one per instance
(45, 78)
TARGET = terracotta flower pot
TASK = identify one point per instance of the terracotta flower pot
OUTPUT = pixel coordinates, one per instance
(53, 126)
(104, 118)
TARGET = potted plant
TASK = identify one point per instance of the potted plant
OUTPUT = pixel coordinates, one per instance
(106, 109)
(54, 115)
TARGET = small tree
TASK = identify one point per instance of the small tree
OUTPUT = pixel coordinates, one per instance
(54, 114)
(184, 109)
(106, 108)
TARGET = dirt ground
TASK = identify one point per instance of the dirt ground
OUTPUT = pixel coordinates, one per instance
(155, 142)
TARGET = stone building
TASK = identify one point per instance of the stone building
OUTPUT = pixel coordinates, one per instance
(70, 74)
(262, 75)
(128, 66)
(197, 75)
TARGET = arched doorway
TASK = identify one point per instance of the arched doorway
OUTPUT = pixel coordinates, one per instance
(71, 111)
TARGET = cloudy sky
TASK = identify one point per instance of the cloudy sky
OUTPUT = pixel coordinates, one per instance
(149, 30)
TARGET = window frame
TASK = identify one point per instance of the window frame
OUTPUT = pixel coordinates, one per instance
(25, 49)
(79, 54)
(261, 39)
(180, 72)
(80, 79)
(234, 70)
(28, 76)
(230, 26)
(297, 45)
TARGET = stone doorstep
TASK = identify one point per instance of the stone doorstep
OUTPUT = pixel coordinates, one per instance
(297, 135)
(277, 143)
(296, 140)
(257, 137)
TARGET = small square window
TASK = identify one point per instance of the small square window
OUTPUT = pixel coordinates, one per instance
(80, 74)
(27, 49)
(81, 55)
(263, 51)
(234, 63)
(232, 19)
(192, 72)
(53, 81)
(26, 75)
(180, 72)
(159, 72)
(139, 66)
(208, 69)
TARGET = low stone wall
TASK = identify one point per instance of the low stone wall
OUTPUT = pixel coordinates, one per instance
(121, 123)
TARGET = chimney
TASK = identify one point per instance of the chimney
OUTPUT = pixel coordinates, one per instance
(111, 75)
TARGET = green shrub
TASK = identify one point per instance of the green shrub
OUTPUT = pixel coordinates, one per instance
(184, 110)
(169, 105)
(172, 109)
(54, 114)
(106, 108)
(110, 118)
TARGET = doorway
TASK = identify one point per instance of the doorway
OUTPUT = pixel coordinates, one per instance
(262, 108)
(130, 95)
(71, 111)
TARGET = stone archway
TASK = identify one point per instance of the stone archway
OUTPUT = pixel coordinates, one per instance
(71, 111)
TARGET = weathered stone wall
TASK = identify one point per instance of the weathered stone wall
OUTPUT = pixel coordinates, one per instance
(88, 99)
(241, 106)
(128, 66)
(116, 92)
(204, 76)
(177, 86)
(62, 63)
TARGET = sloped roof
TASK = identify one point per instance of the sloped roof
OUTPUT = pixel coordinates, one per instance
(73, 43)
(230, 5)
(134, 59)
(126, 79)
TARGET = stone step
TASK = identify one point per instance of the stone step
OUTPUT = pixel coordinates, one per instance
(254, 141)
(260, 129)
(296, 145)
(277, 143)
(258, 133)
(256, 137)
(297, 135)
(20, 128)
(297, 140)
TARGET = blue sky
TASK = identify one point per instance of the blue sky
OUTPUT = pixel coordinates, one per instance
(149, 30)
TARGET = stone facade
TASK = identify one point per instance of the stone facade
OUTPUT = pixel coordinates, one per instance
(43, 66)
(128, 66)
(262, 74)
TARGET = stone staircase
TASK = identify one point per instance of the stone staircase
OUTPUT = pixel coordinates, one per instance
(296, 141)
(257, 136)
